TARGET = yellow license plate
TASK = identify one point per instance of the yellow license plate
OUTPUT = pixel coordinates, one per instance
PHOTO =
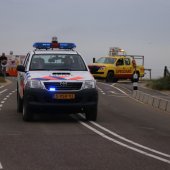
(64, 96)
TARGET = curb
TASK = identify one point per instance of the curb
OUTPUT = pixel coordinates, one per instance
(154, 101)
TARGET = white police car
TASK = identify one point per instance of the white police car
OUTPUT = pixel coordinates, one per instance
(54, 77)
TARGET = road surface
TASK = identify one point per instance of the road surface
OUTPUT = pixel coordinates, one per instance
(127, 135)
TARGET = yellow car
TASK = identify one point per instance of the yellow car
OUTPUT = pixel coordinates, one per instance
(113, 68)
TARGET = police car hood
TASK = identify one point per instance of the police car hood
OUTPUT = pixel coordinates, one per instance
(59, 75)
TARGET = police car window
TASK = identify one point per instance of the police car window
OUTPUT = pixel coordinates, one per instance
(71, 62)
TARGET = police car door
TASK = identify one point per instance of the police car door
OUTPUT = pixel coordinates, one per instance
(21, 76)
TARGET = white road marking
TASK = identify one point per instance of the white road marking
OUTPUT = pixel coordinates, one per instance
(1, 105)
(2, 102)
(122, 92)
(124, 145)
(115, 88)
(3, 91)
(1, 166)
(112, 92)
(119, 89)
(1, 87)
(129, 141)
(101, 90)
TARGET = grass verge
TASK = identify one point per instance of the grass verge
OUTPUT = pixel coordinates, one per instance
(2, 80)
(159, 84)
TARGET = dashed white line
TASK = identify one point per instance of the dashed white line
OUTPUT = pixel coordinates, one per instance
(1, 87)
(3, 91)
(122, 92)
(112, 92)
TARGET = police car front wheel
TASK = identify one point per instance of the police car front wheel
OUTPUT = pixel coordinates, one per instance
(27, 115)
(19, 103)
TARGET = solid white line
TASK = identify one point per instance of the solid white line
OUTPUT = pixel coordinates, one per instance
(1, 166)
(124, 145)
(1, 87)
(3, 91)
(119, 89)
(130, 141)
(127, 140)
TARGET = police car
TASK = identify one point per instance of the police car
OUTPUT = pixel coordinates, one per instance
(55, 77)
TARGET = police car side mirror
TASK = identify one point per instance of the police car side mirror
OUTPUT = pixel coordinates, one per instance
(21, 68)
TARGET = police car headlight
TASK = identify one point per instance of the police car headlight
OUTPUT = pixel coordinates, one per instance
(34, 84)
(90, 84)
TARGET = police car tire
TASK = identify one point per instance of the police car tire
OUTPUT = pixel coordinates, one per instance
(91, 114)
(19, 103)
(27, 116)
(110, 76)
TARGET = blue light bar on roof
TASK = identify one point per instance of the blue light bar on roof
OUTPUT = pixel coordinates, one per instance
(67, 45)
(46, 45)
(42, 45)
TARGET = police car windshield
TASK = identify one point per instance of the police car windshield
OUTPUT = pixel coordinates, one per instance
(106, 60)
(72, 62)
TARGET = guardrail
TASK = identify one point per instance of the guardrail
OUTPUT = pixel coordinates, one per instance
(154, 101)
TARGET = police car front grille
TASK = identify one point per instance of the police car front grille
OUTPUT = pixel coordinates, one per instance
(63, 85)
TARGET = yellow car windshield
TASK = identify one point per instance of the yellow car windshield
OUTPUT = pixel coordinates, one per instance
(106, 60)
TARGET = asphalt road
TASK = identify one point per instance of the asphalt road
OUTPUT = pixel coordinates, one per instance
(127, 135)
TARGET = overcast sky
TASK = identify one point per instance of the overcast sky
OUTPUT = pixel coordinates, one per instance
(138, 26)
